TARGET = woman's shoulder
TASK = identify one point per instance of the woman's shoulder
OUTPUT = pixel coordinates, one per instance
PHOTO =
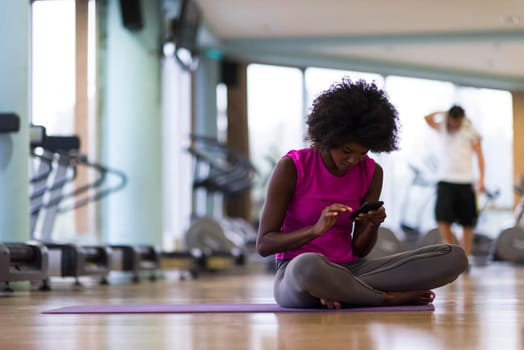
(285, 172)
(368, 162)
(368, 167)
(297, 161)
(299, 153)
(300, 156)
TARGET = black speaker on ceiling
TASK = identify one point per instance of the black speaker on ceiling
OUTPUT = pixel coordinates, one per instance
(131, 14)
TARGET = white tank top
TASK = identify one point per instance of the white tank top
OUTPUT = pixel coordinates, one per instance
(456, 153)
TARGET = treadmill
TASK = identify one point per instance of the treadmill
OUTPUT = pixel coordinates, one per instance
(225, 241)
(131, 259)
(65, 259)
(20, 261)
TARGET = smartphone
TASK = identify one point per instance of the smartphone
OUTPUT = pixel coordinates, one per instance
(367, 206)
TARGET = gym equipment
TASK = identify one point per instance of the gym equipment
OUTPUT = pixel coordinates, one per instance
(482, 249)
(483, 245)
(387, 244)
(219, 170)
(127, 258)
(70, 260)
(42, 164)
(101, 259)
(191, 261)
(433, 236)
(219, 235)
(509, 245)
(135, 259)
(412, 225)
(65, 259)
(20, 261)
(219, 241)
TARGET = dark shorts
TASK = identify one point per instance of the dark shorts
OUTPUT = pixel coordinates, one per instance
(456, 203)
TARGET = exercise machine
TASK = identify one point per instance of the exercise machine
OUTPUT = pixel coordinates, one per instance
(220, 240)
(219, 171)
(65, 259)
(26, 261)
(509, 244)
(101, 259)
(132, 259)
(387, 244)
(22, 262)
(483, 244)
(135, 259)
(419, 194)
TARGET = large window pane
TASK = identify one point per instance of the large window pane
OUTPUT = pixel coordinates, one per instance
(53, 68)
(53, 83)
(275, 117)
(492, 113)
(320, 79)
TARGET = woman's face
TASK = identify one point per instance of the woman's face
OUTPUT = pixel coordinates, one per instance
(347, 156)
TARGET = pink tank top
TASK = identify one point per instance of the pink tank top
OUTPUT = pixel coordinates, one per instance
(317, 188)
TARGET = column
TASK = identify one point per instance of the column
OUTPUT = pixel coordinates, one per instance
(14, 97)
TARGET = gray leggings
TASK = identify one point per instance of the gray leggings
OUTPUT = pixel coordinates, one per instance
(304, 280)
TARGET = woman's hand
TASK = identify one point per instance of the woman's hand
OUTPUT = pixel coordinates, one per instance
(328, 217)
(376, 217)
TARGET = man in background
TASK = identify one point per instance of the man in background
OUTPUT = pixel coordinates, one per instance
(460, 142)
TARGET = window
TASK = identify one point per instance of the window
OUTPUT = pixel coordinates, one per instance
(54, 83)
(53, 65)
(275, 118)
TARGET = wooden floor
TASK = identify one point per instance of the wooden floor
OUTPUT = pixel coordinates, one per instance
(483, 309)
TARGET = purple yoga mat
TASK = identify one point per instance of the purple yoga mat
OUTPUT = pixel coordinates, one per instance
(216, 308)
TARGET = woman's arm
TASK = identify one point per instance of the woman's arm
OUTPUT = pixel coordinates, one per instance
(366, 225)
(280, 190)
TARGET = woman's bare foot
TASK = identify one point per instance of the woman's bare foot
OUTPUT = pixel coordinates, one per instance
(331, 304)
(416, 297)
